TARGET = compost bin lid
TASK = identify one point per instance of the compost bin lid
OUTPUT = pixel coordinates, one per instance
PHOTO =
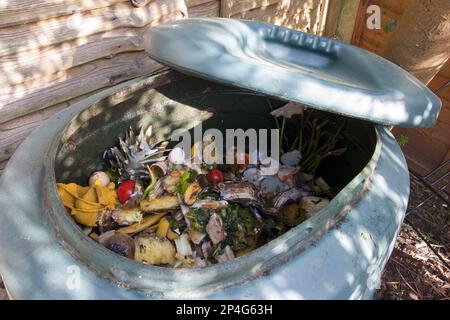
(320, 72)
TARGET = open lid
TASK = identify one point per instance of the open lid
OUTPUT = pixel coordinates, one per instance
(320, 72)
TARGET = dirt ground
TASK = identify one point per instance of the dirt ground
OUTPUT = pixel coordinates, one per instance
(419, 266)
(414, 271)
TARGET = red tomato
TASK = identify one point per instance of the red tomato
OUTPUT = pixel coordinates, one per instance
(215, 176)
(125, 190)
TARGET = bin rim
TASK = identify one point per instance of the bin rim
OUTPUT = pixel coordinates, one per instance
(34, 264)
(212, 278)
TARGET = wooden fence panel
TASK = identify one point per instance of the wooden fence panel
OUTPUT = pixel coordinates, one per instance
(230, 8)
(54, 53)
(15, 12)
(70, 49)
(201, 8)
(305, 15)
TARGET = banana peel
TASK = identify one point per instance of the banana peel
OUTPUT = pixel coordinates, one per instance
(163, 228)
(86, 202)
(160, 204)
(147, 222)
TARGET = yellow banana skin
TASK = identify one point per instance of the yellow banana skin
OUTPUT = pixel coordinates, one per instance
(85, 203)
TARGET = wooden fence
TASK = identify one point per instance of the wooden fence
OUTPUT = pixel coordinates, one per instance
(54, 53)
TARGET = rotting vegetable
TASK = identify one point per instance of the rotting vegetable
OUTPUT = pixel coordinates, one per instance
(168, 212)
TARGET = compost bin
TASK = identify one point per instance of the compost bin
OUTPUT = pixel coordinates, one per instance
(232, 71)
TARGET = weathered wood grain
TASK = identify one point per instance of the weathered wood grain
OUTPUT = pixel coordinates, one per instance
(438, 81)
(369, 46)
(301, 15)
(22, 67)
(52, 31)
(49, 78)
(233, 7)
(70, 60)
(193, 3)
(13, 132)
(140, 3)
(428, 147)
(447, 157)
(13, 12)
(360, 22)
(204, 9)
(392, 6)
(75, 82)
(347, 18)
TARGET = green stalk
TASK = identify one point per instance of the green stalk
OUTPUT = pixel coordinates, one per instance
(277, 123)
(292, 147)
(151, 185)
(302, 128)
(313, 136)
(323, 151)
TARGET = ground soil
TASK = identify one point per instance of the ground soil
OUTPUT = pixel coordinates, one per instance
(416, 269)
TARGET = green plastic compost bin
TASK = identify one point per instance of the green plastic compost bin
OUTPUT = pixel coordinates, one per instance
(226, 71)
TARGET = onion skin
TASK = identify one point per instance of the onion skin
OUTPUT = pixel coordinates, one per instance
(101, 176)
(177, 156)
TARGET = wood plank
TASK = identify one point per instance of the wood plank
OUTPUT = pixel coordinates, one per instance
(369, 46)
(324, 6)
(208, 9)
(50, 32)
(25, 66)
(378, 37)
(437, 82)
(422, 148)
(394, 6)
(193, 3)
(347, 19)
(447, 156)
(331, 19)
(428, 146)
(13, 132)
(233, 7)
(13, 12)
(301, 15)
(445, 70)
(360, 22)
(419, 167)
(75, 82)
(140, 3)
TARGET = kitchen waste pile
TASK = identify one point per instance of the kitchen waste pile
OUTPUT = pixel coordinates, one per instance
(155, 206)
